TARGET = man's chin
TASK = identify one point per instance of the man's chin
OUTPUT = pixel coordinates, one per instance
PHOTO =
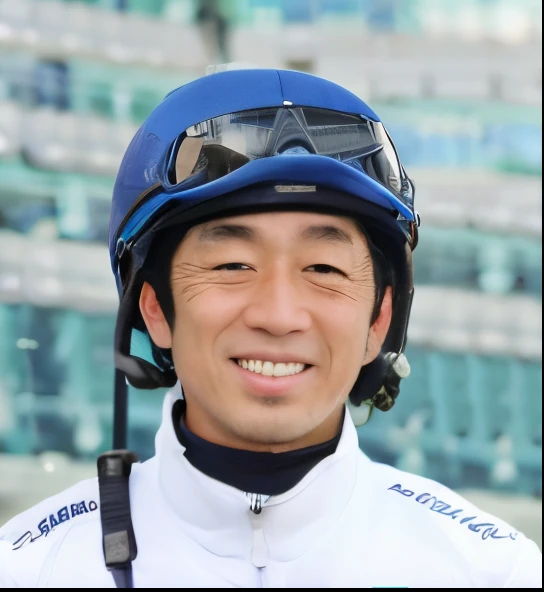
(274, 434)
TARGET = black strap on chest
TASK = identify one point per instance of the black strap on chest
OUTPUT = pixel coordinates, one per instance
(118, 540)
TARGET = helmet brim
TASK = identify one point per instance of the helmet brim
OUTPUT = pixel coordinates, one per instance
(282, 170)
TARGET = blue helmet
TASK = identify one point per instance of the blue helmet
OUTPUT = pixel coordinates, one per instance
(241, 141)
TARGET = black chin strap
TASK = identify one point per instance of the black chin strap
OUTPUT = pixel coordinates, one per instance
(118, 540)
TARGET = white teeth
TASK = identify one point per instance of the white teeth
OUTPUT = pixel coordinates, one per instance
(271, 369)
(281, 370)
(268, 369)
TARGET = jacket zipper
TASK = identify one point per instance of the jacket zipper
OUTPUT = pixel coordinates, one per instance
(259, 553)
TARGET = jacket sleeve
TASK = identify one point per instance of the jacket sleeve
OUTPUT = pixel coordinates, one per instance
(30, 541)
(527, 572)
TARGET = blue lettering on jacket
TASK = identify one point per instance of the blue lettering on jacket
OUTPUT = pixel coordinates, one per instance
(47, 525)
(487, 530)
(405, 492)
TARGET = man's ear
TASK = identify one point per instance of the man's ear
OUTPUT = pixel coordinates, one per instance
(378, 331)
(154, 318)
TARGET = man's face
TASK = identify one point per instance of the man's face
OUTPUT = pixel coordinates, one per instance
(272, 315)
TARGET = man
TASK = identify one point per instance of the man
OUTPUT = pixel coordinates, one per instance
(261, 236)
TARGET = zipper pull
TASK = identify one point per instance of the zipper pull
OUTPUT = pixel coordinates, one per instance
(259, 554)
(257, 501)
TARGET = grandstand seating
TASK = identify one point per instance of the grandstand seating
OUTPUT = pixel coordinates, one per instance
(458, 85)
(63, 30)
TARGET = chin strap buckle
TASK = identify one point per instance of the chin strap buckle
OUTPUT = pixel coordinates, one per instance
(397, 369)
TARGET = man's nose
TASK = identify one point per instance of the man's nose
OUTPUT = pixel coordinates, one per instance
(278, 305)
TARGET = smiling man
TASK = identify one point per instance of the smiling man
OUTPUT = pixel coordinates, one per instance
(261, 238)
(271, 326)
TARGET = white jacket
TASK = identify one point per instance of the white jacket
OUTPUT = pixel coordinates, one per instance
(349, 523)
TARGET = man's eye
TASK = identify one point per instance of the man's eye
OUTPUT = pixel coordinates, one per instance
(324, 269)
(232, 267)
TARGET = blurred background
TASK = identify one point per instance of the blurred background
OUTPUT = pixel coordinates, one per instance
(458, 84)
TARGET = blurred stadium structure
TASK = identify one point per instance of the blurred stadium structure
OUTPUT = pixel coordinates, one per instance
(458, 84)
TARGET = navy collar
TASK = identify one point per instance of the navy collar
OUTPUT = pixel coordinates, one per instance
(266, 473)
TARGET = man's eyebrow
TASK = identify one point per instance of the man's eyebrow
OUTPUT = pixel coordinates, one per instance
(222, 232)
(225, 232)
(328, 233)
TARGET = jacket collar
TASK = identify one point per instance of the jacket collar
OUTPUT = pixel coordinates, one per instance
(218, 516)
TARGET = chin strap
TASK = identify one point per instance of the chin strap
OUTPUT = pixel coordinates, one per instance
(396, 368)
(382, 377)
(118, 539)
